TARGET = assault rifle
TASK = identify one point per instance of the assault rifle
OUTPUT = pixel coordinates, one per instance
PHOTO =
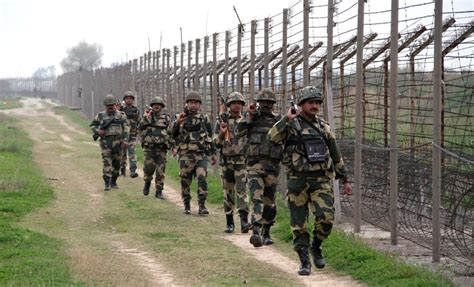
(293, 106)
(103, 126)
(224, 116)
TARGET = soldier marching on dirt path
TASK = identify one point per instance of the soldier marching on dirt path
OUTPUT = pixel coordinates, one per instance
(133, 116)
(112, 129)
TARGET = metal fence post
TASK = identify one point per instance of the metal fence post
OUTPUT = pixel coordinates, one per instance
(226, 62)
(204, 74)
(196, 69)
(306, 9)
(284, 62)
(266, 52)
(253, 32)
(215, 76)
(358, 125)
(240, 28)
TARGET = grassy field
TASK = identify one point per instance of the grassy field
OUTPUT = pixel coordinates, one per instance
(345, 253)
(9, 103)
(27, 258)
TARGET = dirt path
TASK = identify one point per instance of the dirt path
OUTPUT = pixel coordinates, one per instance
(101, 256)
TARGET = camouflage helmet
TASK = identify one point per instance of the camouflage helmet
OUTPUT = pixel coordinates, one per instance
(193, 96)
(309, 92)
(109, 100)
(266, 95)
(234, 97)
(128, 94)
(157, 100)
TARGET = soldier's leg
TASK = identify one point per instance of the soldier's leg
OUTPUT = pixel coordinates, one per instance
(228, 184)
(148, 169)
(256, 187)
(116, 160)
(123, 162)
(132, 157)
(322, 206)
(160, 173)
(186, 172)
(107, 163)
(269, 205)
(240, 175)
(297, 198)
(201, 176)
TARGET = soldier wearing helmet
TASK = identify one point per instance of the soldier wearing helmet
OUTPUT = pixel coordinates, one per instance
(263, 165)
(313, 160)
(133, 115)
(113, 129)
(155, 143)
(192, 132)
(232, 161)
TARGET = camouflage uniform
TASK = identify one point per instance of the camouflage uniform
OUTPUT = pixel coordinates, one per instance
(133, 116)
(116, 132)
(263, 167)
(194, 144)
(312, 158)
(233, 168)
(155, 143)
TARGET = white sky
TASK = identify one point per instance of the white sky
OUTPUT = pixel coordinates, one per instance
(37, 33)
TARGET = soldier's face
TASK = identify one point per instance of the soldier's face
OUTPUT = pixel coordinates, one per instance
(194, 106)
(110, 108)
(156, 107)
(129, 101)
(236, 107)
(311, 107)
(266, 106)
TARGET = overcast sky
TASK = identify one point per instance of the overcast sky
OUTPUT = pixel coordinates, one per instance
(37, 33)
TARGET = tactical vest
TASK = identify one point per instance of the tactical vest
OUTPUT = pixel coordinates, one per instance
(114, 123)
(133, 116)
(306, 149)
(258, 145)
(194, 135)
(156, 134)
(236, 145)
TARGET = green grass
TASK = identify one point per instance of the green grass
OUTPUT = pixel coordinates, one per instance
(345, 253)
(76, 117)
(26, 257)
(10, 103)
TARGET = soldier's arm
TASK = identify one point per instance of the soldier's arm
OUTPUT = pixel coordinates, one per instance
(242, 128)
(212, 146)
(171, 140)
(336, 156)
(126, 129)
(218, 138)
(144, 123)
(277, 134)
(174, 128)
(95, 124)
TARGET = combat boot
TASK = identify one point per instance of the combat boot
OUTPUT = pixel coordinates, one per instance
(244, 222)
(267, 240)
(230, 223)
(256, 239)
(113, 182)
(107, 183)
(305, 267)
(123, 171)
(133, 174)
(187, 208)
(146, 188)
(202, 209)
(317, 253)
(159, 193)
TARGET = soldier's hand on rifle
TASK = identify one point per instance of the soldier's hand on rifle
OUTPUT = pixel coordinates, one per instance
(223, 128)
(101, 133)
(174, 152)
(347, 188)
(181, 118)
(291, 114)
(147, 112)
(124, 144)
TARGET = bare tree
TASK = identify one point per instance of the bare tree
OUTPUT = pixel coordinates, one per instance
(82, 56)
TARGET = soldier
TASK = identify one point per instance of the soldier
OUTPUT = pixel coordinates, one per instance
(193, 134)
(313, 159)
(133, 116)
(263, 165)
(155, 142)
(112, 128)
(232, 162)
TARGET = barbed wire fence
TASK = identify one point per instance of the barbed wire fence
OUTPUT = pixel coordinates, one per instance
(388, 133)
